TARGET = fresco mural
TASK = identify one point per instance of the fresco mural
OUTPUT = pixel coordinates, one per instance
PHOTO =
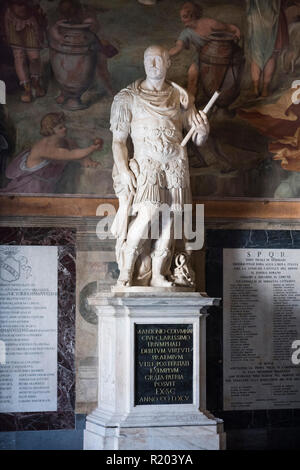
(63, 60)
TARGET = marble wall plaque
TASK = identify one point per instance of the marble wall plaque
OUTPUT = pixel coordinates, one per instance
(163, 364)
(261, 322)
(28, 328)
(63, 241)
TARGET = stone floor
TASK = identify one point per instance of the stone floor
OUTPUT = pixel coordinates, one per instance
(237, 439)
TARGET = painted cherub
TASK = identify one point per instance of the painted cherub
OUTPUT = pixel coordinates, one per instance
(196, 32)
(38, 170)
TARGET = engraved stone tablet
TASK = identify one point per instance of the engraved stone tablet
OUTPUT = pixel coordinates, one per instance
(28, 328)
(163, 364)
(261, 322)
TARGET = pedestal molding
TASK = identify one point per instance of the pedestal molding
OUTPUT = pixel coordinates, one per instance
(121, 416)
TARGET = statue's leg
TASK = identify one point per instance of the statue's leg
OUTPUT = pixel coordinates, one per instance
(136, 237)
(143, 266)
(130, 256)
(161, 257)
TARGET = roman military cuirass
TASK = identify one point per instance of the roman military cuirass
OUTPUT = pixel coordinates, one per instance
(156, 126)
(155, 122)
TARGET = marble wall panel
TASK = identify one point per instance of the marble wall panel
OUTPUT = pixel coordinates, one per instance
(65, 239)
(216, 241)
(95, 264)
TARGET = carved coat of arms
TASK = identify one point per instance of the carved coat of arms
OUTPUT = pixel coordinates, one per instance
(12, 265)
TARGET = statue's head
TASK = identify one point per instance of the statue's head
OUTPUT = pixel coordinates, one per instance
(156, 62)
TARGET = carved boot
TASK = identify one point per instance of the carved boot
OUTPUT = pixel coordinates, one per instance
(159, 259)
(39, 90)
(126, 273)
(27, 96)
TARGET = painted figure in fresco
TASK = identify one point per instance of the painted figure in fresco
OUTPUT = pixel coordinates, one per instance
(38, 170)
(6, 143)
(292, 54)
(74, 12)
(25, 24)
(280, 122)
(267, 36)
(153, 112)
(196, 32)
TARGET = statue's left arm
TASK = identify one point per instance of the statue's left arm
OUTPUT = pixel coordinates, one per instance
(193, 118)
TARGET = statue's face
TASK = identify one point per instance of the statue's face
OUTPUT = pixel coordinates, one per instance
(156, 64)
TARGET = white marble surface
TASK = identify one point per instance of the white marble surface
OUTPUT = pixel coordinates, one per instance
(153, 112)
(157, 438)
(117, 421)
(28, 328)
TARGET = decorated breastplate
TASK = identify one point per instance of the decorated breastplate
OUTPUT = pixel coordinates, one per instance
(156, 129)
(158, 140)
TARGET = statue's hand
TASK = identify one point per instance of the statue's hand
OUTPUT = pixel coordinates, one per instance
(128, 180)
(201, 128)
(201, 123)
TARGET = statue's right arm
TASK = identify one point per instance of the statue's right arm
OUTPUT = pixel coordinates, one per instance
(120, 154)
(120, 120)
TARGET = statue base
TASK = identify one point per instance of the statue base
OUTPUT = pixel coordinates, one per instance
(150, 290)
(152, 384)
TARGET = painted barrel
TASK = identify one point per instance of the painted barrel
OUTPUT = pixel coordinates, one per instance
(73, 56)
(221, 67)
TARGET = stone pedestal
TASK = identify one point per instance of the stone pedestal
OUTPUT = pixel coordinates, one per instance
(152, 374)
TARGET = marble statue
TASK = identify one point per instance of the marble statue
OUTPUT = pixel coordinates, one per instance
(153, 112)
